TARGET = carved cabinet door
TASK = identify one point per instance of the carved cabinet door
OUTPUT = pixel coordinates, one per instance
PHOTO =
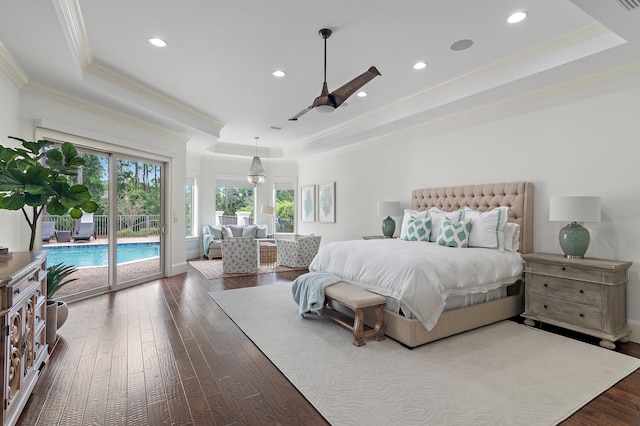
(20, 340)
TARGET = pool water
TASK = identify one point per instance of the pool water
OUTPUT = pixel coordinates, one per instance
(92, 255)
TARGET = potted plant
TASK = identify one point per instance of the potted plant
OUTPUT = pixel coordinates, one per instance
(38, 177)
(57, 310)
(33, 178)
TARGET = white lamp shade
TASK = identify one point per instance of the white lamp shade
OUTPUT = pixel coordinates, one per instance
(389, 208)
(575, 209)
(268, 210)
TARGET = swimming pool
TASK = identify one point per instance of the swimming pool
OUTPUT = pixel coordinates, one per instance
(92, 255)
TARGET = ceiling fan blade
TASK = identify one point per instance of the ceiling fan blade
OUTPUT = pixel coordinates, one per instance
(301, 113)
(342, 93)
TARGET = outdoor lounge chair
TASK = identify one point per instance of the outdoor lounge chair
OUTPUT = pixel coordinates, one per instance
(84, 232)
(48, 229)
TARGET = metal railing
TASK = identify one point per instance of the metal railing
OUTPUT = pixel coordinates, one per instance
(127, 225)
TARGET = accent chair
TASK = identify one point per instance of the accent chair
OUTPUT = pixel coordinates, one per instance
(240, 255)
(298, 253)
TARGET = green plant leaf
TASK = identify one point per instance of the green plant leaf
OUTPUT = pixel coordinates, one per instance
(56, 275)
(90, 206)
(55, 208)
(12, 202)
(75, 213)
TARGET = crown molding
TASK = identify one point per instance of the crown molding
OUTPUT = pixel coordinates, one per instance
(629, 70)
(207, 123)
(101, 111)
(10, 67)
(76, 32)
(77, 35)
(442, 92)
(245, 150)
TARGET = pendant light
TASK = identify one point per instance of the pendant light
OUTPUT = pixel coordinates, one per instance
(256, 173)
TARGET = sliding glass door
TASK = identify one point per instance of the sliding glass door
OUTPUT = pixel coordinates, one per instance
(138, 207)
(121, 243)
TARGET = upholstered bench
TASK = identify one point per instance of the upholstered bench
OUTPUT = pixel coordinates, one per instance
(357, 300)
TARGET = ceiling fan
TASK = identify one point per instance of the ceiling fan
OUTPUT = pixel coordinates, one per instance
(327, 102)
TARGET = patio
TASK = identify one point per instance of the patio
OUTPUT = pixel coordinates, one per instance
(95, 277)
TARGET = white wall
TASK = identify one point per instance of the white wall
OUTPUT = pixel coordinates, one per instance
(14, 227)
(60, 117)
(589, 146)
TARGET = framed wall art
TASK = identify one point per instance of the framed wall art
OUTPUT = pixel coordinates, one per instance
(308, 203)
(327, 202)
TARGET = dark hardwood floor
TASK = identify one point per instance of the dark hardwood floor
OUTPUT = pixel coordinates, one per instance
(165, 353)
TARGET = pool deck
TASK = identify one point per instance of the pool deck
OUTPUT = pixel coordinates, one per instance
(92, 278)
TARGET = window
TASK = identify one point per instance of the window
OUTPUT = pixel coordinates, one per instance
(190, 223)
(234, 201)
(285, 200)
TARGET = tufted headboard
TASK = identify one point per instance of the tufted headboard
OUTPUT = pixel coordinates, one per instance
(516, 195)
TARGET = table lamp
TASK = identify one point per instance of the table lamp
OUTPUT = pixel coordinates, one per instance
(389, 208)
(574, 238)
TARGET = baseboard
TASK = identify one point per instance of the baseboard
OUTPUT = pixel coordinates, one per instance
(634, 326)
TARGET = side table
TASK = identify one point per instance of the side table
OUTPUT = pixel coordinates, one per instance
(63, 236)
(583, 295)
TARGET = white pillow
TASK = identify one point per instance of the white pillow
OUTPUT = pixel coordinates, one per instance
(409, 214)
(512, 236)
(249, 231)
(454, 234)
(226, 232)
(487, 228)
(418, 229)
(261, 231)
(437, 216)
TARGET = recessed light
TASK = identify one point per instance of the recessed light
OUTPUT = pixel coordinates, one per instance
(158, 42)
(278, 73)
(419, 65)
(361, 94)
(516, 17)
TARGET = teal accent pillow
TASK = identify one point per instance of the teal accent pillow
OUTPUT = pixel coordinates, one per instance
(454, 234)
(418, 229)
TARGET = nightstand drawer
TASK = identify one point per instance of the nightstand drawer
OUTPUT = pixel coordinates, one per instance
(571, 272)
(570, 313)
(575, 291)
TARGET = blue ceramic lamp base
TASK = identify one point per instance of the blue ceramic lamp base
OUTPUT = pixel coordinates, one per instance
(388, 227)
(574, 240)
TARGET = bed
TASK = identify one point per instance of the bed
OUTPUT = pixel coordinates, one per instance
(408, 320)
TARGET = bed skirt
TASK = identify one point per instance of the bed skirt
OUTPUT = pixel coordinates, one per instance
(411, 333)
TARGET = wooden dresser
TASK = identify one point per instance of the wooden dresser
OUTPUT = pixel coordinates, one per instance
(583, 295)
(23, 282)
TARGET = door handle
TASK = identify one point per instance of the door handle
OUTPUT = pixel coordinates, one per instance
(164, 230)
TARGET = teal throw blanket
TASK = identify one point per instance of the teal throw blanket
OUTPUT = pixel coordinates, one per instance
(308, 290)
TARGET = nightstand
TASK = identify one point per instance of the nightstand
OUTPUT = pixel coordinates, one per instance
(583, 295)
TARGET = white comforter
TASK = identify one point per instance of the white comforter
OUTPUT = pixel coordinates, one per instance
(418, 275)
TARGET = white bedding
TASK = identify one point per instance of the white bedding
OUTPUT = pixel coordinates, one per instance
(418, 275)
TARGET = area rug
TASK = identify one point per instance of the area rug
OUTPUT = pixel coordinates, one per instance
(213, 269)
(505, 373)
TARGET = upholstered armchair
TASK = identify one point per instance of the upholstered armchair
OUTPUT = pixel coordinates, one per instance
(298, 253)
(240, 255)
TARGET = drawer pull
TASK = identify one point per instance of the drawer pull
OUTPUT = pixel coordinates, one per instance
(546, 285)
(581, 315)
(31, 279)
(564, 269)
(581, 291)
(545, 306)
(16, 291)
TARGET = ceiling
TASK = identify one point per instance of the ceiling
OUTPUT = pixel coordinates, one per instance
(213, 82)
